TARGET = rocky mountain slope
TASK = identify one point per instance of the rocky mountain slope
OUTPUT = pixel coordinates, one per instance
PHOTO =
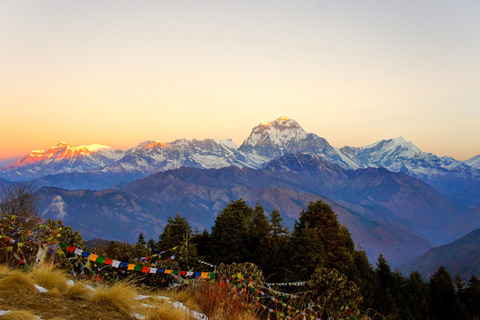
(461, 257)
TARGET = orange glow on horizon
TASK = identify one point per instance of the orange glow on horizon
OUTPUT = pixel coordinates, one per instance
(156, 143)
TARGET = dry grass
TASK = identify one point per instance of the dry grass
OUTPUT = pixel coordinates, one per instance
(17, 292)
(18, 315)
(17, 280)
(185, 296)
(78, 292)
(49, 278)
(5, 270)
(119, 296)
(165, 311)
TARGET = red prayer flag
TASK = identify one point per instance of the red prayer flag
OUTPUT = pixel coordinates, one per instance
(145, 269)
(183, 273)
(108, 261)
(70, 248)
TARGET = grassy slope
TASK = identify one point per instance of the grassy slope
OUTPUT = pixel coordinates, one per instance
(120, 301)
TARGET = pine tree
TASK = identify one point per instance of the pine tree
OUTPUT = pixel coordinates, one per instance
(276, 224)
(305, 254)
(152, 246)
(173, 234)
(417, 296)
(202, 241)
(442, 294)
(178, 234)
(141, 239)
(472, 297)
(364, 277)
(272, 254)
(385, 289)
(230, 233)
(335, 239)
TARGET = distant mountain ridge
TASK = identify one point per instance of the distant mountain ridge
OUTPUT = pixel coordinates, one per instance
(287, 184)
(461, 257)
(266, 142)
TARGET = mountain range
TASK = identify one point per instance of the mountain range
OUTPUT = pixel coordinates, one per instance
(395, 198)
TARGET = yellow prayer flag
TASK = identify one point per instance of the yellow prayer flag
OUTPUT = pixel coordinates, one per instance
(93, 257)
(131, 267)
(168, 271)
(20, 244)
(9, 248)
(204, 275)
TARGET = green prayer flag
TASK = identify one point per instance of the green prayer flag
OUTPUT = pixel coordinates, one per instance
(63, 246)
(101, 260)
(175, 272)
(138, 268)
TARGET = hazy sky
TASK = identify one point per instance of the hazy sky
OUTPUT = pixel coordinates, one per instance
(354, 72)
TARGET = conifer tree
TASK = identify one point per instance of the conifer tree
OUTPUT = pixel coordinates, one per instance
(173, 234)
(417, 296)
(442, 294)
(230, 233)
(178, 234)
(333, 238)
(152, 246)
(272, 254)
(141, 239)
(202, 241)
(472, 297)
(384, 297)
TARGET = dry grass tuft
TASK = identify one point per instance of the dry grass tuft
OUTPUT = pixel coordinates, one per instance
(119, 296)
(18, 315)
(5, 270)
(49, 278)
(78, 292)
(185, 296)
(165, 311)
(17, 280)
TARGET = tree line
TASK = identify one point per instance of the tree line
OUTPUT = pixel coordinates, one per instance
(242, 233)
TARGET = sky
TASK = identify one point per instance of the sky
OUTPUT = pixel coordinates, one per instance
(354, 72)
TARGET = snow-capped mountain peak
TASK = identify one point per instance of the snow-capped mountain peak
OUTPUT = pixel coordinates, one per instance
(276, 132)
(61, 158)
(474, 162)
(399, 144)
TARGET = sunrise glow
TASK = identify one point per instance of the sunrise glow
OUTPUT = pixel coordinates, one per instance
(351, 72)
